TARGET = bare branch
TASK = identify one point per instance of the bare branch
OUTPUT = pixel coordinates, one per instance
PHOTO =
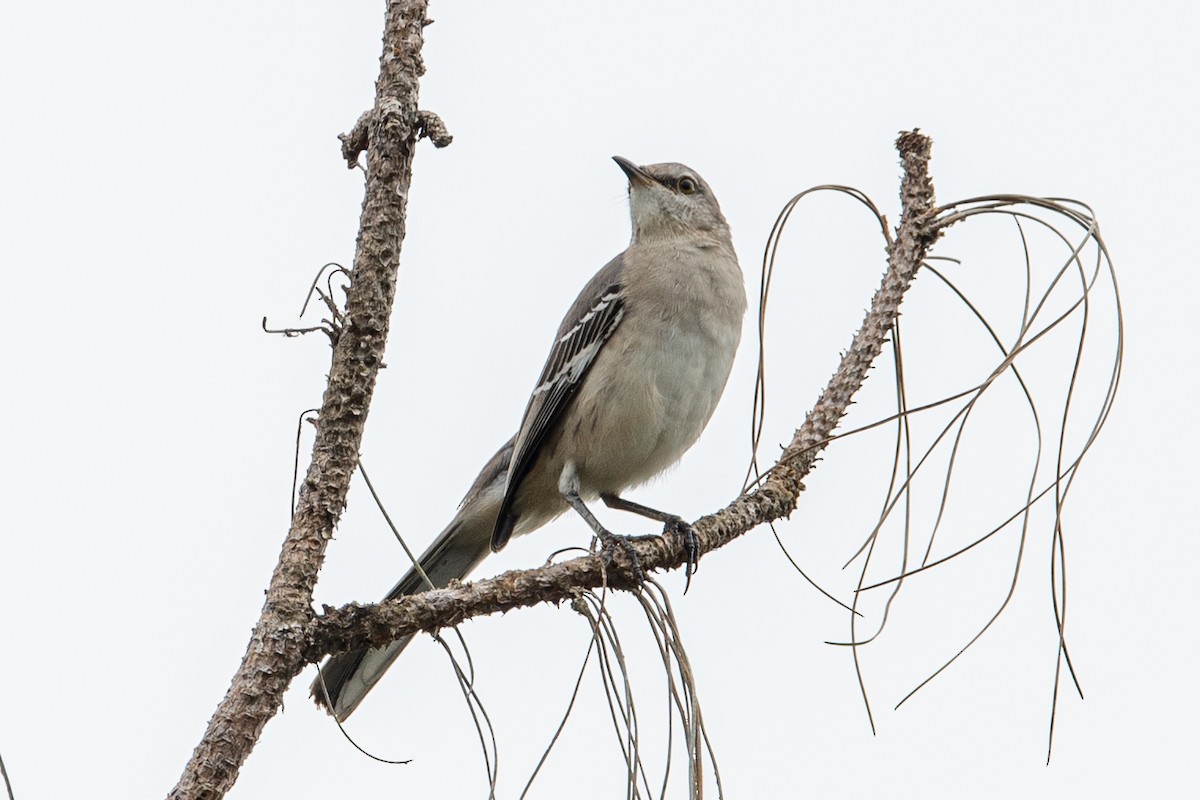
(355, 142)
(275, 653)
(431, 127)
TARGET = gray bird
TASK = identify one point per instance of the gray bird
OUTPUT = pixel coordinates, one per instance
(634, 374)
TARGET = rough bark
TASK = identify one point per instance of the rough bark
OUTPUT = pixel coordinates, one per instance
(278, 645)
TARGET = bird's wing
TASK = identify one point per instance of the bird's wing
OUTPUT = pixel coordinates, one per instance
(588, 325)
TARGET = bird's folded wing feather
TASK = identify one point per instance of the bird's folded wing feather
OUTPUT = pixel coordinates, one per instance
(596, 314)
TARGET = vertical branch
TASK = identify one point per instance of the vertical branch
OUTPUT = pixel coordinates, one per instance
(275, 653)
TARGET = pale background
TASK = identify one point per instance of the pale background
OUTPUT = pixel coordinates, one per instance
(170, 174)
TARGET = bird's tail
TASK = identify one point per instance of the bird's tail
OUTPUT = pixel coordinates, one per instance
(346, 678)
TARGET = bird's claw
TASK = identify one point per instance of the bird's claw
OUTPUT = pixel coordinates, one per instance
(609, 542)
(676, 526)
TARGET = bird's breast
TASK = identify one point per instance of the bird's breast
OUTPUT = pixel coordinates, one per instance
(666, 372)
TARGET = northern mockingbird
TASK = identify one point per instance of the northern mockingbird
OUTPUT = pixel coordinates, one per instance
(634, 374)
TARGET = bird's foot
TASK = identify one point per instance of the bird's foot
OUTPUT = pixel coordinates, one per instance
(676, 526)
(609, 542)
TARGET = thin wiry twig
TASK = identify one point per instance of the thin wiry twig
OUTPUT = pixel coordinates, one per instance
(7, 783)
(466, 683)
(758, 415)
(331, 327)
(1020, 552)
(346, 734)
(1065, 475)
(620, 699)
(296, 459)
(416, 562)
(657, 606)
(754, 474)
(903, 447)
(327, 296)
(580, 607)
(615, 672)
(291, 333)
(652, 607)
(1016, 374)
(466, 679)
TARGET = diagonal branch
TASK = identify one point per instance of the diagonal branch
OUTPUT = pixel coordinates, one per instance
(276, 650)
(354, 625)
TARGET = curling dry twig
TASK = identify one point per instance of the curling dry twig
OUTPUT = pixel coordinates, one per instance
(1071, 294)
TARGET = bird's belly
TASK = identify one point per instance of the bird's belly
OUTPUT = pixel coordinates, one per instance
(648, 417)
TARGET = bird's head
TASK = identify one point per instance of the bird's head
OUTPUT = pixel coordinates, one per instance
(671, 199)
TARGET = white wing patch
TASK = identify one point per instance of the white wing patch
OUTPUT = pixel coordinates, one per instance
(575, 350)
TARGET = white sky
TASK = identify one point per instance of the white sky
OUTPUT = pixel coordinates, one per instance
(171, 175)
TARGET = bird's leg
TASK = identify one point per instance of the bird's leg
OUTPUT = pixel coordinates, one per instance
(608, 539)
(672, 524)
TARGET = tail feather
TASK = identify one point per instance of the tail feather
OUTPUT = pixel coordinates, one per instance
(346, 678)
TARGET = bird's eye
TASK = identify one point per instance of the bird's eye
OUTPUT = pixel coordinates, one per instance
(687, 186)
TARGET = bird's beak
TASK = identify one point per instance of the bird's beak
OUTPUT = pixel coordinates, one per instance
(633, 172)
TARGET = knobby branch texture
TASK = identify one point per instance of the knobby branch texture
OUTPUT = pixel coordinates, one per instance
(279, 644)
(377, 624)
